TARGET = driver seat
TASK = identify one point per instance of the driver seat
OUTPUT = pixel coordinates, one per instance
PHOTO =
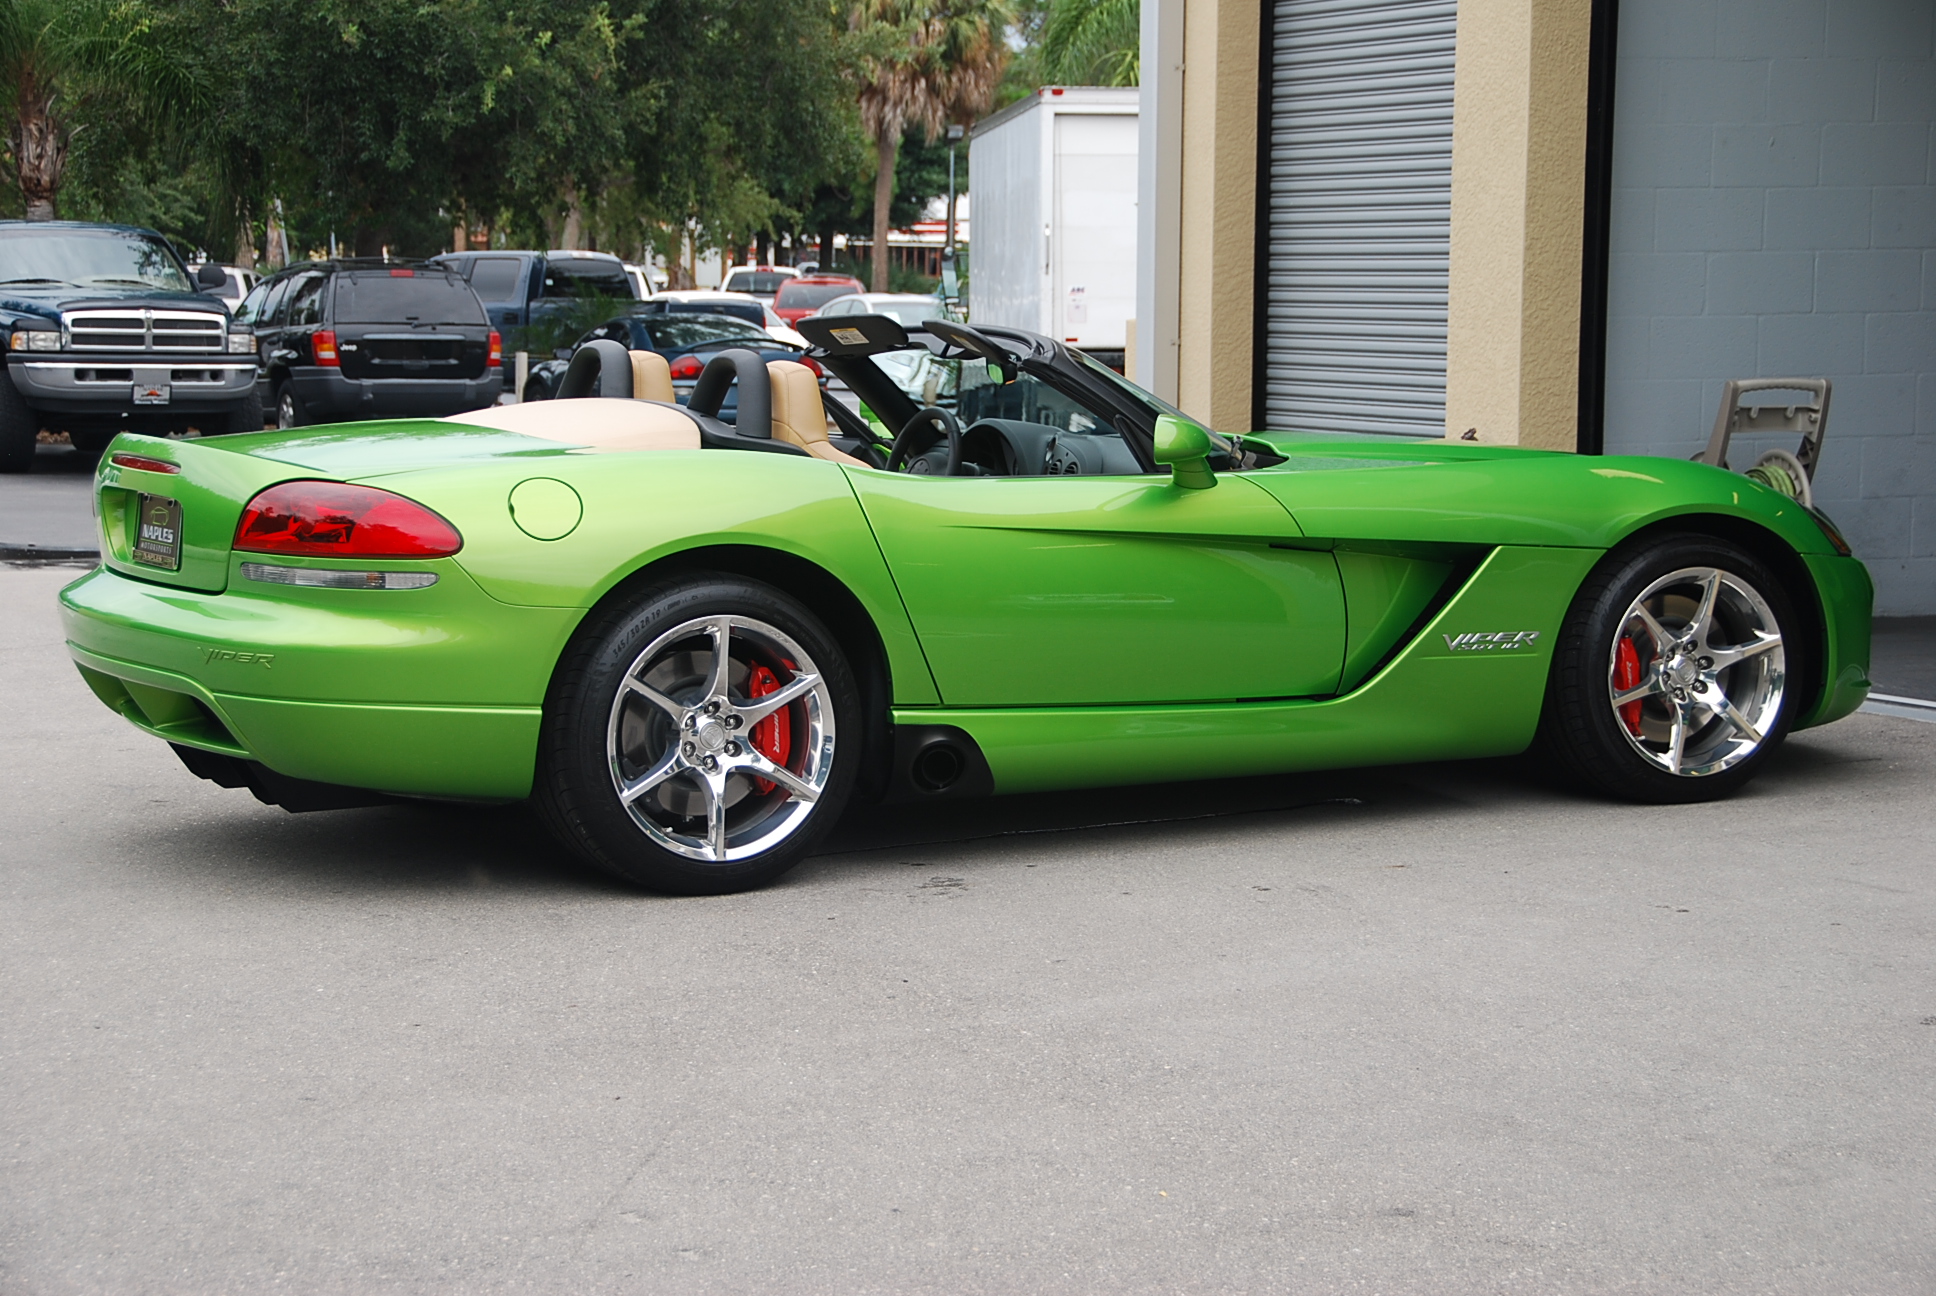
(798, 416)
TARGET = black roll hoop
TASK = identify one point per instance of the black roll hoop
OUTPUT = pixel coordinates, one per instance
(755, 417)
(601, 367)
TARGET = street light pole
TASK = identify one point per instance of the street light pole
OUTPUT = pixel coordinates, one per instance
(950, 281)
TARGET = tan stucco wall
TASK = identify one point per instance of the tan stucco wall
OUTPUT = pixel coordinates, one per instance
(1518, 184)
(1219, 211)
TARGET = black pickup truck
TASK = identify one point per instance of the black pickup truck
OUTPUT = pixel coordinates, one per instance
(103, 330)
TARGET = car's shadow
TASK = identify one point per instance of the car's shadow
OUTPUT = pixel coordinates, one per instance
(423, 846)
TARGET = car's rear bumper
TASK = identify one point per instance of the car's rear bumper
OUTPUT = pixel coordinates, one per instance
(432, 692)
(107, 384)
(326, 394)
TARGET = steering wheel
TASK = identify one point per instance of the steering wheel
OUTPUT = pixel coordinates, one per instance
(936, 420)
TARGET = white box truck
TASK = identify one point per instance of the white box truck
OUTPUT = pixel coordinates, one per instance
(1052, 183)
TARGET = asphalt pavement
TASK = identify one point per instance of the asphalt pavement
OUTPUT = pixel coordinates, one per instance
(1422, 1029)
(50, 509)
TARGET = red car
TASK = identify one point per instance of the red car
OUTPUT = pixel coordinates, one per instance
(799, 298)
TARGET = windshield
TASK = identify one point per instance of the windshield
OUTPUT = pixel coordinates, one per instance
(91, 259)
(413, 298)
(965, 388)
(763, 282)
(911, 314)
(1098, 369)
(671, 332)
(586, 277)
(750, 311)
(806, 296)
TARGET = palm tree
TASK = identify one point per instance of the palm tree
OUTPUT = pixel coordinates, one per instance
(1093, 42)
(922, 63)
(55, 54)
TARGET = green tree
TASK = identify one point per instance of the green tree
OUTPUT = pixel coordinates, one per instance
(62, 57)
(1092, 42)
(923, 62)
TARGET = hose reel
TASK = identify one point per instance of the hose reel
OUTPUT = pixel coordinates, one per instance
(1786, 473)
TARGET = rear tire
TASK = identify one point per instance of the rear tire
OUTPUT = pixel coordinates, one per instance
(289, 407)
(652, 750)
(19, 429)
(1671, 680)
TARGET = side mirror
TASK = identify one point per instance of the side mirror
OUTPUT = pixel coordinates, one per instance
(1186, 448)
(210, 276)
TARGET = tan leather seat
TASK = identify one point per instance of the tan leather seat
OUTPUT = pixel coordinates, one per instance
(798, 415)
(652, 377)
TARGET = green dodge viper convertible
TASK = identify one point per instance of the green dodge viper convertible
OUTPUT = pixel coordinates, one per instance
(692, 643)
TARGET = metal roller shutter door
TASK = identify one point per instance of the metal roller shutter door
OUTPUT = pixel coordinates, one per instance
(1359, 174)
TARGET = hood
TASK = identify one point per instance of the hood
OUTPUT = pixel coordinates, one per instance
(47, 301)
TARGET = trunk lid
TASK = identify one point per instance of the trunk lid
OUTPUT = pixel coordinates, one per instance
(216, 477)
(200, 502)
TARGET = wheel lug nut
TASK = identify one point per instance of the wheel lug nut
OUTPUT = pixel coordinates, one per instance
(688, 748)
(1700, 686)
(732, 749)
(1707, 663)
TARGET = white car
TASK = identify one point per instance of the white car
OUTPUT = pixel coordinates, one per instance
(645, 280)
(909, 308)
(240, 283)
(763, 281)
(744, 305)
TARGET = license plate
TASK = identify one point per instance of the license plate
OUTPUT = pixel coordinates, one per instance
(157, 537)
(151, 393)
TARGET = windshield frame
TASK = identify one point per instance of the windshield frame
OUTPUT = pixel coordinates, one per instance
(1119, 403)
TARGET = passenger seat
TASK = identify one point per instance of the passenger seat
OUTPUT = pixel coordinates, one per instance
(652, 378)
(798, 416)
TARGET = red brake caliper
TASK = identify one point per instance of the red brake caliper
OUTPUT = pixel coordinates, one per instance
(1626, 674)
(773, 736)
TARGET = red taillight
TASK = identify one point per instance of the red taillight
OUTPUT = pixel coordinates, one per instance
(323, 343)
(337, 520)
(402, 274)
(142, 463)
(688, 366)
(814, 365)
(495, 358)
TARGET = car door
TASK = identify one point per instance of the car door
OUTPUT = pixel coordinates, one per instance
(1106, 590)
(269, 329)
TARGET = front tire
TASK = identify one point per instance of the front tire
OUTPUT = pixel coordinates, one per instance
(701, 739)
(246, 417)
(19, 429)
(1671, 681)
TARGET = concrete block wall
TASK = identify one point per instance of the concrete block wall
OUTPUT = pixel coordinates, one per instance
(1774, 213)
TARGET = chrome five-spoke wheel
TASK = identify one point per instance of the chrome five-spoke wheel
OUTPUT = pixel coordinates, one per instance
(692, 736)
(721, 738)
(1696, 671)
(1676, 671)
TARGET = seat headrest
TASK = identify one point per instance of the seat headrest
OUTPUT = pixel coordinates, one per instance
(601, 367)
(652, 377)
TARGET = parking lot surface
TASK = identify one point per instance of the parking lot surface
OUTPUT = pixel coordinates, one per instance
(1426, 1029)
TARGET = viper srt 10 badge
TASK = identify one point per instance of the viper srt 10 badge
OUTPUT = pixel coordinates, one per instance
(1490, 641)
